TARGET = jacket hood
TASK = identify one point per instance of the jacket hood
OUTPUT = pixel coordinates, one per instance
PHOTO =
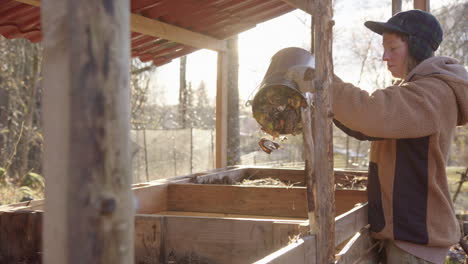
(450, 71)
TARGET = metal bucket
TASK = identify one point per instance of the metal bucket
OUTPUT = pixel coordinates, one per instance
(277, 104)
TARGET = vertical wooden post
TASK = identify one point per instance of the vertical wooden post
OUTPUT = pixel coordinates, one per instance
(396, 6)
(221, 111)
(422, 5)
(323, 173)
(89, 212)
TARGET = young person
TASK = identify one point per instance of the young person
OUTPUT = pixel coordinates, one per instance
(411, 125)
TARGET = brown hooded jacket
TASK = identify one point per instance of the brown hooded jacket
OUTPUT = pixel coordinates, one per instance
(413, 124)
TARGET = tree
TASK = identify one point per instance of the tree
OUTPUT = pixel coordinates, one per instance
(20, 126)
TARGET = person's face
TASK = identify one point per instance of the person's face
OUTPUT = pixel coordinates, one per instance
(395, 54)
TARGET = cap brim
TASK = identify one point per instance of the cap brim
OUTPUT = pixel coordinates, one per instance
(381, 27)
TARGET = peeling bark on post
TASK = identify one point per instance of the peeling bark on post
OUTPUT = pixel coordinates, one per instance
(323, 173)
(89, 214)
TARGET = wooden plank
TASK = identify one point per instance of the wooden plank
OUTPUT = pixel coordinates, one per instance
(251, 200)
(349, 223)
(422, 5)
(324, 181)
(346, 200)
(301, 251)
(297, 220)
(305, 5)
(155, 28)
(89, 205)
(266, 201)
(149, 239)
(151, 198)
(360, 249)
(309, 154)
(221, 110)
(229, 241)
(20, 237)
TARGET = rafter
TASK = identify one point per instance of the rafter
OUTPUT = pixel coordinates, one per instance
(155, 28)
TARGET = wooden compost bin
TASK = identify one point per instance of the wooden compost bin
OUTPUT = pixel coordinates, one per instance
(204, 218)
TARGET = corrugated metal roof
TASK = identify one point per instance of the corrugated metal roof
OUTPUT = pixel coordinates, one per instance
(219, 19)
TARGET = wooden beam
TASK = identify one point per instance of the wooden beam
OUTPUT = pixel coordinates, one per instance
(155, 28)
(301, 251)
(423, 5)
(266, 201)
(347, 224)
(172, 239)
(251, 200)
(221, 110)
(89, 203)
(324, 181)
(305, 5)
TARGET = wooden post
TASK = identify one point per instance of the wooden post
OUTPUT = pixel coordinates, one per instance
(396, 6)
(221, 111)
(89, 212)
(322, 125)
(422, 5)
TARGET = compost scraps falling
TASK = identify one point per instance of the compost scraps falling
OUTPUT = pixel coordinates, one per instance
(278, 110)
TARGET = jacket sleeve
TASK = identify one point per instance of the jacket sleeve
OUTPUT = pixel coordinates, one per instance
(407, 111)
(355, 134)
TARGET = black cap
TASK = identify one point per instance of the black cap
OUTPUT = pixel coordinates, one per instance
(424, 31)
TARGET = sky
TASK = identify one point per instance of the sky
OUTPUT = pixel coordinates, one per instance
(258, 45)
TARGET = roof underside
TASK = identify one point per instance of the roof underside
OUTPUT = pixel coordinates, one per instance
(219, 19)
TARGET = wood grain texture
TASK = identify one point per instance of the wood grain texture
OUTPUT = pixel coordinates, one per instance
(162, 239)
(86, 67)
(151, 198)
(267, 201)
(20, 237)
(322, 125)
(250, 200)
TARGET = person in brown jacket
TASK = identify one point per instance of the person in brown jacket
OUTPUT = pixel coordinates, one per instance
(411, 125)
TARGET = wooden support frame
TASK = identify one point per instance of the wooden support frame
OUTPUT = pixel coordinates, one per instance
(322, 129)
(155, 28)
(221, 110)
(89, 203)
(422, 5)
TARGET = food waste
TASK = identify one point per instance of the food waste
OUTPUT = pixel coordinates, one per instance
(278, 110)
